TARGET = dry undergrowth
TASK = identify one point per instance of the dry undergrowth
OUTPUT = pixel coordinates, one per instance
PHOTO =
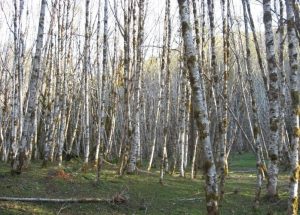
(60, 174)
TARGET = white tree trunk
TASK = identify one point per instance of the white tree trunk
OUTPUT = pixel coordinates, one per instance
(33, 92)
(160, 111)
(260, 165)
(273, 101)
(201, 116)
(295, 94)
(136, 143)
(86, 71)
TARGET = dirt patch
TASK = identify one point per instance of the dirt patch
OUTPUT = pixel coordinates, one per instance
(60, 174)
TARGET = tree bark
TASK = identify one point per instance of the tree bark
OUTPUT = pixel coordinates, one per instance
(33, 92)
(201, 116)
(86, 71)
(273, 102)
(295, 94)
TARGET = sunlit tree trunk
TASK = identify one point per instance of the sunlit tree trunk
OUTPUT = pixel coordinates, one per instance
(49, 93)
(135, 123)
(113, 91)
(160, 109)
(136, 143)
(49, 107)
(21, 68)
(256, 129)
(295, 94)
(164, 166)
(224, 122)
(297, 15)
(86, 71)
(126, 130)
(187, 124)
(213, 99)
(63, 123)
(201, 116)
(4, 116)
(33, 93)
(17, 107)
(273, 102)
(182, 121)
(258, 52)
(102, 86)
(200, 49)
(283, 86)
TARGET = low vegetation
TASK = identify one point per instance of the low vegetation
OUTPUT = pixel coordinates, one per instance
(143, 193)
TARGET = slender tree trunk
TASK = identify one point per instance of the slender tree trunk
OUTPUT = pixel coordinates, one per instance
(98, 84)
(126, 133)
(164, 166)
(86, 71)
(63, 122)
(193, 165)
(200, 109)
(201, 63)
(224, 122)
(102, 89)
(160, 111)
(113, 90)
(21, 68)
(49, 93)
(283, 87)
(256, 129)
(16, 113)
(295, 94)
(33, 90)
(273, 102)
(136, 143)
(182, 121)
(259, 58)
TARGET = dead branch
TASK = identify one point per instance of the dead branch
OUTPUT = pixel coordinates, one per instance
(191, 199)
(145, 172)
(119, 198)
(69, 200)
(108, 163)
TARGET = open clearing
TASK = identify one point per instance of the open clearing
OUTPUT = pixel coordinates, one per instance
(145, 195)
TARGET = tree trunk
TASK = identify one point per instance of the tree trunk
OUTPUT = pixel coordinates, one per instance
(201, 116)
(273, 102)
(224, 122)
(86, 71)
(136, 143)
(33, 92)
(256, 130)
(295, 94)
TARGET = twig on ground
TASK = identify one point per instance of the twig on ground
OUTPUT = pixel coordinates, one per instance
(145, 172)
(111, 164)
(64, 206)
(191, 199)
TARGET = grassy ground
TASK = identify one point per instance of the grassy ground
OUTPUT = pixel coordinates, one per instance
(146, 195)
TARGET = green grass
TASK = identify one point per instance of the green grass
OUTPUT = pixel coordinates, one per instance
(146, 196)
(242, 162)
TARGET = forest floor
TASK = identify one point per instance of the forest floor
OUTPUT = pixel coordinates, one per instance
(145, 195)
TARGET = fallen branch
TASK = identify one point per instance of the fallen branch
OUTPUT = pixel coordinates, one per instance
(191, 199)
(244, 171)
(70, 200)
(145, 172)
(118, 198)
(108, 163)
